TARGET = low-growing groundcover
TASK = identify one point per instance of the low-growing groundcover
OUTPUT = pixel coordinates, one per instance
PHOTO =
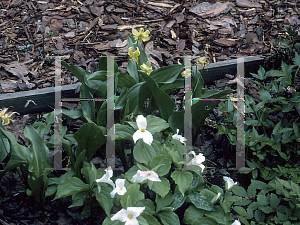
(162, 183)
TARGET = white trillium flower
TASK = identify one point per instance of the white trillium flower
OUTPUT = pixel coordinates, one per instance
(120, 189)
(128, 216)
(197, 160)
(228, 183)
(236, 222)
(147, 137)
(106, 177)
(179, 137)
(140, 176)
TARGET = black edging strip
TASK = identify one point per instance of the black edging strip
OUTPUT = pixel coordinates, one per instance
(44, 98)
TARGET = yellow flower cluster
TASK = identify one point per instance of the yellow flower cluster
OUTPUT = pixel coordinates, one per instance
(5, 117)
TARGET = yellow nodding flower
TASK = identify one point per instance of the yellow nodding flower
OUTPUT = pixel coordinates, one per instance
(184, 73)
(147, 68)
(134, 55)
(202, 63)
(5, 117)
(140, 35)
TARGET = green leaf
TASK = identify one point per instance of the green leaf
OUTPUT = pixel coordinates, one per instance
(162, 99)
(192, 215)
(133, 193)
(284, 183)
(179, 199)
(266, 209)
(162, 202)
(165, 164)
(70, 186)
(88, 107)
(167, 74)
(155, 124)
(264, 94)
(201, 202)
(183, 179)
(239, 191)
(262, 199)
(241, 211)
(162, 188)
(38, 151)
(79, 198)
(4, 147)
(148, 204)
(123, 132)
(217, 215)
(104, 198)
(76, 71)
(261, 74)
(143, 153)
(89, 137)
(91, 173)
(296, 59)
(274, 201)
(149, 218)
(169, 218)
(125, 80)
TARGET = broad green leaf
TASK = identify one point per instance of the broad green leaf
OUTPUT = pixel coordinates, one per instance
(165, 162)
(123, 132)
(77, 71)
(183, 179)
(78, 199)
(201, 202)
(143, 153)
(192, 215)
(162, 188)
(133, 192)
(104, 198)
(167, 74)
(148, 204)
(162, 202)
(91, 173)
(169, 218)
(149, 218)
(74, 113)
(266, 209)
(88, 107)
(70, 186)
(155, 124)
(179, 199)
(38, 151)
(217, 215)
(38, 186)
(261, 74)
(89, 137)
(4, 147)
(125, 80)
(162, 99)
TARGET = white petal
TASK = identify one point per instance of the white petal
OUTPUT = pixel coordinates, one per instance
(120, 183)
(121, 215)
(137, 135)
(113, 193)
(236, 222)
(138, 177)
(132, 221)
(153, 176)
(147, 137)
(192, 152)
(135, 211)
(141, 122)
